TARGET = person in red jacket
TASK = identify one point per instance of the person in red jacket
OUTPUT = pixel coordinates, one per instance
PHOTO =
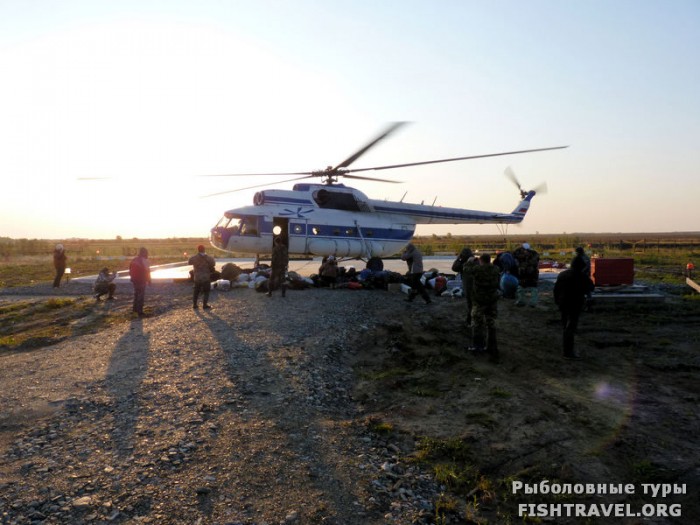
(140, 273)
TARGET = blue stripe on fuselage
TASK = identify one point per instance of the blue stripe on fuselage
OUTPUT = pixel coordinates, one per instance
(436, 213)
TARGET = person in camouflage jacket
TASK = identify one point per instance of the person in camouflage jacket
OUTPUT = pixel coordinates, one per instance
(485, 310)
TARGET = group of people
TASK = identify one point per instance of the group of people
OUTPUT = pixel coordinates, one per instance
(483, 282)
(140, 275)
(510, 274)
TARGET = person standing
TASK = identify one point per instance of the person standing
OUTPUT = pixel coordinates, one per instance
(59, 263)
(203, 266)
(528, 274)
(279, 263)
(485, 296)
(570, 291)
(140, 274)
(415, 272)
(464, 264)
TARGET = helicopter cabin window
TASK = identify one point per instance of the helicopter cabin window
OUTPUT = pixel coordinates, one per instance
(315, 230)
(336, 200)
(297, 228)
(336, 231)
(369, 233)
(350, 231)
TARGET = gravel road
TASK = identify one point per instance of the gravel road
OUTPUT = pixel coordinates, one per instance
(238, 415)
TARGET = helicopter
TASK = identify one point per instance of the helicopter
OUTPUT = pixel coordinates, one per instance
(329, 218)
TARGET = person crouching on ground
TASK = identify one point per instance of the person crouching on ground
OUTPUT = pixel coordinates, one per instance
(329, 272)
(104, 284)
(203, 266)
(413, 254)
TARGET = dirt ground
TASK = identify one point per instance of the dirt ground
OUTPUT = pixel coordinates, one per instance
(627, 413)
(397, 379)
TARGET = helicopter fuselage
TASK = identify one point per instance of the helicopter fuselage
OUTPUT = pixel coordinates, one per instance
(318, 219)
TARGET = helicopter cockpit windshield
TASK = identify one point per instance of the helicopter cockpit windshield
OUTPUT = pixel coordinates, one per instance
(244, 225)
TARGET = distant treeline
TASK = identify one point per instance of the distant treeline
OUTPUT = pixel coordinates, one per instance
(685, 243)
(593, 242)
(175, 247)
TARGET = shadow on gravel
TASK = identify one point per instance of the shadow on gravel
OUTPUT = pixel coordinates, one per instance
(127, 368)
(278, 406)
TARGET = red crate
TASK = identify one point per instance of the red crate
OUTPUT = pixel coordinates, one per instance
(612, 272)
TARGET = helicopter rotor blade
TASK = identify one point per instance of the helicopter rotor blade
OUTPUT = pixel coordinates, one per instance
(454, 159)
(508, 172)
(541, 188)
(360, 177)
(255, 186)
(393, 127)
(307, 173)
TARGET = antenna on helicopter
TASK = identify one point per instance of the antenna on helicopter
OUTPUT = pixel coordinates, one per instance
(434, 200)
(404, 195)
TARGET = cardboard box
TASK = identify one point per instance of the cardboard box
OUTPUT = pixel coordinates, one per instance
(612, 272)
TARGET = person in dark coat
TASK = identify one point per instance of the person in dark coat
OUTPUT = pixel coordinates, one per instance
(140, 274)
(570, 290)
(528, 275)
(203, 267)
(485, 296)
(465, 263)
(59, 263)
(415, 272)
(279, 264)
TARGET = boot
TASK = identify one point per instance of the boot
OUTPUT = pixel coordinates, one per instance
(492, 347)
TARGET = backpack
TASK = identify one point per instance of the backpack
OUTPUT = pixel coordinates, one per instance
(463, 257)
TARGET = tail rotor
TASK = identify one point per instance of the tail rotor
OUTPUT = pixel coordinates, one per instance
(510, 174)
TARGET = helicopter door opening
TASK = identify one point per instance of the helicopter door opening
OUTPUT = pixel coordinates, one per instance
(280, 229)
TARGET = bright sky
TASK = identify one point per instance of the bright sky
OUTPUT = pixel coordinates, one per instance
(154, 93)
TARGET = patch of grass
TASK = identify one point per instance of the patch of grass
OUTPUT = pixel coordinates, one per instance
(59, 302)
(500, 393)
(26, 325)
(381, 427)
(422, 391)
(481, 418)
(454, 449)
(644, 471)
(445, 507)
(388, 373)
